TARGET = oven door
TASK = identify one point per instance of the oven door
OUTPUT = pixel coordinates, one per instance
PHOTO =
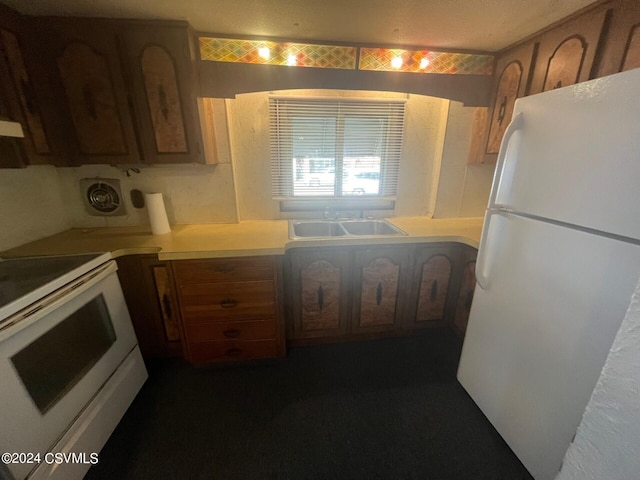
(55, 356)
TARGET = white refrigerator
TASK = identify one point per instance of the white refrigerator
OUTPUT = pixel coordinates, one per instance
(558, 262)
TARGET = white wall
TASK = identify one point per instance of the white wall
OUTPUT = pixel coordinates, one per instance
(41, 200)
(425, 124)
(192, 193)
(464, 189)
(607, 444)
(31, 205)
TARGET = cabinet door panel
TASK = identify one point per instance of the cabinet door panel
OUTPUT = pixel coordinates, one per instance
(434, 287)
(632, 53)
(91, 99)
(565, 64)
(566, 54)
(621, 48)
(160, 63)
(508, 87)
(465, 297)
(163, 100)
(320, 290)
(22, 83)
(85, 89)
(379, 292)
(379, 288)
(319, 283)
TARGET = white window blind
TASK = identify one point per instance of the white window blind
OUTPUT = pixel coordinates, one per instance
(335, 147)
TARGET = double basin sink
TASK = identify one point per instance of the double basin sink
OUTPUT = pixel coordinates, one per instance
(341, 228)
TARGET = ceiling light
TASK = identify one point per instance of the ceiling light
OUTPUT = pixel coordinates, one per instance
(264, 52)
(396, 62)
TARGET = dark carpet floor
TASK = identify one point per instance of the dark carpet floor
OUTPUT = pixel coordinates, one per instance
(386, 409)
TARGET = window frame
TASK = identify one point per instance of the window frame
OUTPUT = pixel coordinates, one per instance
(282, 108)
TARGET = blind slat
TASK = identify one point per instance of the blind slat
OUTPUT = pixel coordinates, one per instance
(335, 147)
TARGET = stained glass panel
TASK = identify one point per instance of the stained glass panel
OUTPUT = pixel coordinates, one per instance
(277, 53)
(424, 61)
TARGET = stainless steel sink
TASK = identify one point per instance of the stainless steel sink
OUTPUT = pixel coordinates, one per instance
(315, 229)
(370, 227)
(343, 228)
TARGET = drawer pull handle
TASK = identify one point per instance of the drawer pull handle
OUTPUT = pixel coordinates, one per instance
(231, 333)
(233, 352)
(228, 303)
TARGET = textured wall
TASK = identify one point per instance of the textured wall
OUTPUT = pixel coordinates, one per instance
(464, 189)
(608, 437)
(425, 123)
(192, 193)
(31, 205)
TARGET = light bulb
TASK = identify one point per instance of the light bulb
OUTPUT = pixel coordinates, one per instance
(396, 62)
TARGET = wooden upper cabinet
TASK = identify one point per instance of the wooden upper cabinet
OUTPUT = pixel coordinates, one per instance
(511, 82)
(37, 142)
(159, 63)
(566, 54)
(21, 102)
(87, 90)
(621, 49)
(91, 97)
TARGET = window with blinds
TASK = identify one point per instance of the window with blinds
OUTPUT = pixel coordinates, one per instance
(335, 147)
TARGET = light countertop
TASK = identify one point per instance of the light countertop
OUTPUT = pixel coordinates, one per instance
(247, 238)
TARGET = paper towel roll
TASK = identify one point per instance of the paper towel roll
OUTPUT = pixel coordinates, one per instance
(157, 213)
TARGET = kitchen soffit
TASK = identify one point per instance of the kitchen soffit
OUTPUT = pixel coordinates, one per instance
(484, 25)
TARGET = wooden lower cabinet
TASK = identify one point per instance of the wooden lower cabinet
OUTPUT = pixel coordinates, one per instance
(432, 303)
(230, 308)
(342, 293)
(464, 297)
(147, 284)
(379, 283)
(319, 284)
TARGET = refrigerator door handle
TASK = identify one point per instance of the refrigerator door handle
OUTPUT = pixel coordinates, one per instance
(481, 276)
(515, 125)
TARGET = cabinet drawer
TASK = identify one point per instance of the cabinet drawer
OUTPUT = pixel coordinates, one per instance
(233, 350)
(225, 331)
(223, 270)
(227, 301)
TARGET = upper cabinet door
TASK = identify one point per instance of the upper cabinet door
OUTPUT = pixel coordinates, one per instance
(159, 62)
(566, 54)
(17, 84)
(511, 82)
(621, 50)
(512, 71)
(84, 89)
